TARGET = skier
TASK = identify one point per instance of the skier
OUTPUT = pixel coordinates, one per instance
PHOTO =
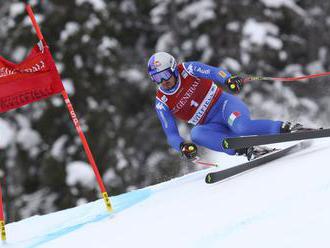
(189, 91)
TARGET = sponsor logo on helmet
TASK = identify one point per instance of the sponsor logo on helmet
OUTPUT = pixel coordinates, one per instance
(157, 63)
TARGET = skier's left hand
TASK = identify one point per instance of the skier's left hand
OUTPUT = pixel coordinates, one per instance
(189, 150)
(235, 84)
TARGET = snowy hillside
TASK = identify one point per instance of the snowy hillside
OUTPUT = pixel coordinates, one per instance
(283, 204)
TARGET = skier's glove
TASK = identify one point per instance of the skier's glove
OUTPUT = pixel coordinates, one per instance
(189, 150)
(235, 84)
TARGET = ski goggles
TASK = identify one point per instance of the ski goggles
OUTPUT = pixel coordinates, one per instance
(159, 77)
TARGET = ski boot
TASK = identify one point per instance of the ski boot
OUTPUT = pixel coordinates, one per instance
(288, 127)
(255, 152)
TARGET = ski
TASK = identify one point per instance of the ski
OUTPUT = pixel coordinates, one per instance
(247, 141)
(217, 176)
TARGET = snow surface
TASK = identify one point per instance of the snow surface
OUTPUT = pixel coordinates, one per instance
(283, 204)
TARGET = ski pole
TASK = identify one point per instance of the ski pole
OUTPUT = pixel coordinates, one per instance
(284, 79)
(198, 161)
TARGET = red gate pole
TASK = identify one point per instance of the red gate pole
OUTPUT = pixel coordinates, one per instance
(75, 121)
(2, 219)
(87, 149)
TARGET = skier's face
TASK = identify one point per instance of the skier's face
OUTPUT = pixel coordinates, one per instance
(169, 84)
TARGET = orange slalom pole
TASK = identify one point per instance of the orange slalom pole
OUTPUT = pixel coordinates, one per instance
(87, 149)
(2, 219)
(75, 121)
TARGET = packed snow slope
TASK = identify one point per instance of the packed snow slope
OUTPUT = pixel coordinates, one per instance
(283, 204)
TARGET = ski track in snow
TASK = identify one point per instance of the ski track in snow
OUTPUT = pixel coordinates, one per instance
(283, 204)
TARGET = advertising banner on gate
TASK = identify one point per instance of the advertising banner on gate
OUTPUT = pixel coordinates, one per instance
(32, 80)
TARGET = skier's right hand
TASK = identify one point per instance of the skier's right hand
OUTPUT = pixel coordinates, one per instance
(189, 150)
(235, 84)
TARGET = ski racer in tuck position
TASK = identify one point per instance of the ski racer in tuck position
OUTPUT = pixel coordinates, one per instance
(190, 92)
